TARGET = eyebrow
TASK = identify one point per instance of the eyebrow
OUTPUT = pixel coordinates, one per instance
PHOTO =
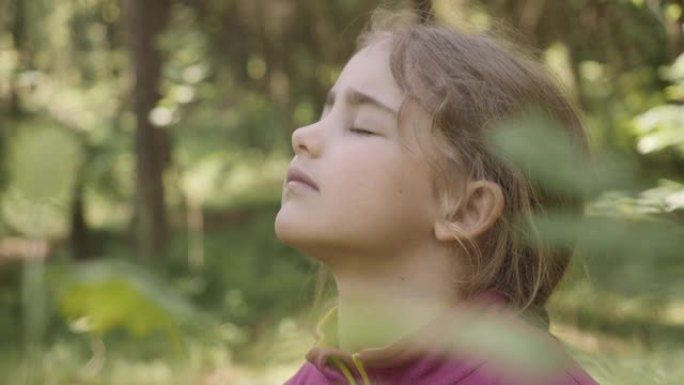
(357, 98)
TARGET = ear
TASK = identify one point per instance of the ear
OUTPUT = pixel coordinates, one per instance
(481, 206)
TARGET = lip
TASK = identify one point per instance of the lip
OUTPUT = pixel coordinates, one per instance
(296, 174)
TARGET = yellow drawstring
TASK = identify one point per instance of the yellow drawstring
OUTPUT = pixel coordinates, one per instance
(359, 367)
(347, 374)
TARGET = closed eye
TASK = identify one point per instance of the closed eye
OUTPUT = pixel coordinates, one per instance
(361, 131)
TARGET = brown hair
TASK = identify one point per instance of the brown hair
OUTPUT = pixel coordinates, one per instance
(470, 83)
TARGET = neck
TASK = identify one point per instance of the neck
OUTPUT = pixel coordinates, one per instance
(396, 295)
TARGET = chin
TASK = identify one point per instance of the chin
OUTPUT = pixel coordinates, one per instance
(302, 235)
(320, 239)
(289, 230)
(283, 231)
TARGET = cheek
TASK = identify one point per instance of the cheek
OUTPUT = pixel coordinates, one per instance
(384, 190)
(370, 197)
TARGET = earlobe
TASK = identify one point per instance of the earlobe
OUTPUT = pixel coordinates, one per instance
(478, 210)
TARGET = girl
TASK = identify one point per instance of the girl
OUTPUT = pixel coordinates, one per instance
(395, 190)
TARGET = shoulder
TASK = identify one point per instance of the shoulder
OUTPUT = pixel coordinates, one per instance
(514, 353)
(494, 375)
(496, 372)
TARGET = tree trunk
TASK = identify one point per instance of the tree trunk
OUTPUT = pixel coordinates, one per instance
(19, 35)
(79, 226)
(146, 20)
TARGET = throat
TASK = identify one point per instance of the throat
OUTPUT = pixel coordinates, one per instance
(387, 298)
(367, 323)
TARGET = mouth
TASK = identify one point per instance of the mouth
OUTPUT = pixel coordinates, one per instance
(296, 175)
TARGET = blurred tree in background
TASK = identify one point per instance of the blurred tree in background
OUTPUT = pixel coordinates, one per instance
(142, 149)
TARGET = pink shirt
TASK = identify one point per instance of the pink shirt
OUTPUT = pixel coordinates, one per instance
(487, 345)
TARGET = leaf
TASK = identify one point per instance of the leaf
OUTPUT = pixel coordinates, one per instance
(544, 151)
(114, 294)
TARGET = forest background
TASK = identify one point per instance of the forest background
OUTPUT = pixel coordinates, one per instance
(143, 146)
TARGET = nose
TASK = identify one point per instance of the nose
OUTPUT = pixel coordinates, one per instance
(307, 140)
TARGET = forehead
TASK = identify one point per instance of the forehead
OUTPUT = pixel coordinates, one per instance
(369, 72)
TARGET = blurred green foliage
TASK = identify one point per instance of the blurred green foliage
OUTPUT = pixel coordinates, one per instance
(42, 164)
(105, 295)
(237, 77)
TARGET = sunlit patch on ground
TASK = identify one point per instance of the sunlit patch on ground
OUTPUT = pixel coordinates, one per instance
(590, 342)
(674, 313)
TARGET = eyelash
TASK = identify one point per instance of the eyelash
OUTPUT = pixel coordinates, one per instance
(361, 131)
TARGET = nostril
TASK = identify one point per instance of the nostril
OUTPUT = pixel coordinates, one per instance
(297, 142)
(305, 140)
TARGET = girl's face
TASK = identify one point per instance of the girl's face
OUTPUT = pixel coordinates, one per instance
(372, 186)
